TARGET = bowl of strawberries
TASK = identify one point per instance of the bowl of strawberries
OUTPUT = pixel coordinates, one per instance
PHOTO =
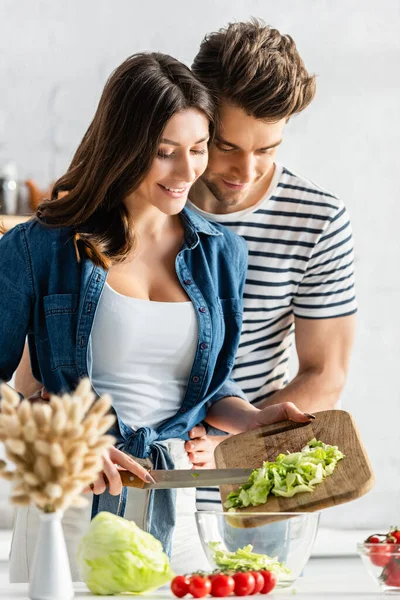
(380, 553)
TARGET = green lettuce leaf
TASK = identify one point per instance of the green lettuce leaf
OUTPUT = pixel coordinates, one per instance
(245, 558)
(116, 556)
(290, 474)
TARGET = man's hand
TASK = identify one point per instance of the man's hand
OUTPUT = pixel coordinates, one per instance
(112, 459)
(200, 448)
(41, 395)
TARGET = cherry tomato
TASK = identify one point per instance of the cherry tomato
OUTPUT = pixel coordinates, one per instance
(258, 582)
(396, 535)
(373, 539)
(380, 554)
(180, 586)
(222, 585)
(244, 584)
(199, 586)
(269, 581)
(391, 574)
(393, 580)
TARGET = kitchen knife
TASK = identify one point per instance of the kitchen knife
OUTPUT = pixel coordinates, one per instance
(181, 478)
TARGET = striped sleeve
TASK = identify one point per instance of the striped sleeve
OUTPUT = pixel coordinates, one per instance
(327, 288)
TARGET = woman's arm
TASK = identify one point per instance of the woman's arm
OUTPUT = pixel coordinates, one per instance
(235, 415)
(16, 299)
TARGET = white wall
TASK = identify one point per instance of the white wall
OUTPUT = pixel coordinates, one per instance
(54, 61)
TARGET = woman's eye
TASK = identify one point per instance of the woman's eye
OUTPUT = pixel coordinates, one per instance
(162, 154)
(199, 151)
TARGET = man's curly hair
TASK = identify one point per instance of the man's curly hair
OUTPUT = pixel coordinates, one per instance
(256, 68)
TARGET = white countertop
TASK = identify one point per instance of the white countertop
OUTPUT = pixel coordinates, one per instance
(323, 579)
(329, 543)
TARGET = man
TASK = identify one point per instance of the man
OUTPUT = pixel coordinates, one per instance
(300, 282)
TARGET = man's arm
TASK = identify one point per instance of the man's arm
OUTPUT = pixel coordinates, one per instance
(323, 348)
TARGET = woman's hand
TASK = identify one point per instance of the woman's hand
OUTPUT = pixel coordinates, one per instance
(112, 459)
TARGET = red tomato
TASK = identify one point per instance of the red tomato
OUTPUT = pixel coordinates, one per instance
(393, 581)
(199, 586)
(244, 584)
(180, 586)
(269, 581)
(222, 585)
(396, 534)
(380, 555)
(372, 540)
(258, 582)
(392, 573)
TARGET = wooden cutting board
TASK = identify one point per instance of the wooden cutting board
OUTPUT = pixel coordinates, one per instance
(352, 477)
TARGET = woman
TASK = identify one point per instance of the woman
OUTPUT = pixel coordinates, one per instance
(116, 280)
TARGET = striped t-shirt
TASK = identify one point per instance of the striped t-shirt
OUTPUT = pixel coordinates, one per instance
(300, 264)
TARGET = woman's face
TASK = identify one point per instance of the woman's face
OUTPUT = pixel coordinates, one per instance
(181, 158)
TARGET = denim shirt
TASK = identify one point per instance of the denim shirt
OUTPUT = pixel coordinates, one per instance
(51, 297)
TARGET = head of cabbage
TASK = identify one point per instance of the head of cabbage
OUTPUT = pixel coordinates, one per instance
(116, 556)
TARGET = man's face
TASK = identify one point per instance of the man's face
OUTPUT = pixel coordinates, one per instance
(241, 159)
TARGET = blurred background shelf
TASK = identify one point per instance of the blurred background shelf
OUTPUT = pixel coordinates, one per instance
(12, 220)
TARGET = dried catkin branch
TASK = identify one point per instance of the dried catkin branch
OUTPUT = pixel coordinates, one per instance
(56, 447)
(57, 455)
(30, 431)
(24, 412)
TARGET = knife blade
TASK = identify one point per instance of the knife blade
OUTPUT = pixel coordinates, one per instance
(182, 478)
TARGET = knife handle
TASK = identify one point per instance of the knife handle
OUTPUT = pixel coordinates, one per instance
(129, 479)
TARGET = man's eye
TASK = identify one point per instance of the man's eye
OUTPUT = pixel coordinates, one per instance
(225, 149)
(162, 154)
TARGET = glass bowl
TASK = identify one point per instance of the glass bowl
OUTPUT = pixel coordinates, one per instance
(287, 537)
(382, 562)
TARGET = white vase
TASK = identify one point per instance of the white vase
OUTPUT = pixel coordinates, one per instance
(51, 575)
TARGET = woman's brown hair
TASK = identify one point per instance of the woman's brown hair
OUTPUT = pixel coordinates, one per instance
(117, 150)
(255, 67)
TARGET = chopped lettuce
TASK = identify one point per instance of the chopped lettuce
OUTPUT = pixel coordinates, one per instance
(290, 474)
(116, 556)
(244, 559)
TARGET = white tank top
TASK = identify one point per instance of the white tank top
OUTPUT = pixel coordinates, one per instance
(143, 353)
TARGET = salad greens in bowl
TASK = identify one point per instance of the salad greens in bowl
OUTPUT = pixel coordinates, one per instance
(282, 547)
